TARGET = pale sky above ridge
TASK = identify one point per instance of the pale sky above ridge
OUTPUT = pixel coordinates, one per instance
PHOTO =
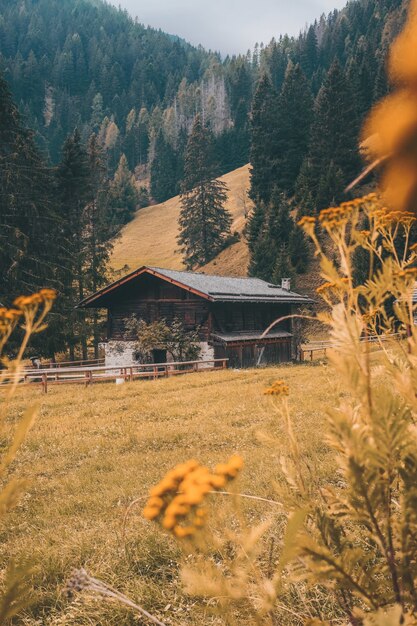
(230, 26)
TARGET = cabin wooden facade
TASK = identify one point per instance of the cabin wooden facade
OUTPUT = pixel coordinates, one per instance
(230, 314)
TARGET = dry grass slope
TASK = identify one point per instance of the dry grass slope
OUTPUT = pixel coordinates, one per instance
(94, 450)
(150, 238)
(233, 261)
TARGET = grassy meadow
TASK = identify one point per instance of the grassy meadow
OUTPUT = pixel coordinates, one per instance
(93, 451)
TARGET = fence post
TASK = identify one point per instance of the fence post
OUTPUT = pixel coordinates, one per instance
(88, 377)
(45, 383)
(224, 364)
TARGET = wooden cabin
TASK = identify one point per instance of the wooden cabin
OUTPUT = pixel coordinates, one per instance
(230, 314)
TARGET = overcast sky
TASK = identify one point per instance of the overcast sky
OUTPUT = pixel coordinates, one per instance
(230, 26)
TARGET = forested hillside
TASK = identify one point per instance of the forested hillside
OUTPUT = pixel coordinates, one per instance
(85, 64)
(112, 106)
(307, 112)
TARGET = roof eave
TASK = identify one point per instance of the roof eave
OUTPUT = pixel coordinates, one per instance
(300, 300)
(84, 304)
(87, 302)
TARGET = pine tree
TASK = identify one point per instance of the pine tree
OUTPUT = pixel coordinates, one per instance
(123, 194)
(309, 53)
(254, 225)
(73, 191)
(283, 267)
(98, 230)
(142, 135)
(130, 143)
(97, 114)
(274, 232)
(295, 114)
(204, 222)
(262, 260)
(306, 202)
(264, 150)
(333, 143)
(277, 61)
(163, 170)
(381, 87)
(30, 234)
(240, 95)
(331, 185)
(298, 250)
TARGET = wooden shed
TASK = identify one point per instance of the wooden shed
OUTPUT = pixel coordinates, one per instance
(230, 314)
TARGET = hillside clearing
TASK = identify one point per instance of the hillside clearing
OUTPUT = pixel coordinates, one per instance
(93, 451)
(151, 237)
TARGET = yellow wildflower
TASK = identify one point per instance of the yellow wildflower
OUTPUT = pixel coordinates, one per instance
(48, 294)
(28, 301)
(325, 287)
(150, 513)
(184, 531)
(177, 498)
(278, 388)
(306, 220)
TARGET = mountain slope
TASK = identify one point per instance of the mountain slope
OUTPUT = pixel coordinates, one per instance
(150, 238)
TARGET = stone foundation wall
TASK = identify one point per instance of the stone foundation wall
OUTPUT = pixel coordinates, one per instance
(207, 352)
(122, 353)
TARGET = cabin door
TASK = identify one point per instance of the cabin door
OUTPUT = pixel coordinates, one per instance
(159, 356)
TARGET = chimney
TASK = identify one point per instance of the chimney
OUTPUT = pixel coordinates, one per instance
(286, 284)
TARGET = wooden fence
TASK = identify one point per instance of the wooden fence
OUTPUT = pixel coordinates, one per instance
(98, 373)
(79, 363)
(309, 350)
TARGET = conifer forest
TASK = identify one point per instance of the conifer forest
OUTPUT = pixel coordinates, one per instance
(104, 122)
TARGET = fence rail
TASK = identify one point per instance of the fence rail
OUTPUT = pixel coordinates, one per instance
(97, 373)
(323, 346)
(61, 364)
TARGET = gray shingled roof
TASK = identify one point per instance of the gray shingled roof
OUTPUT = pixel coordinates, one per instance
(215, 288)
(227, 288)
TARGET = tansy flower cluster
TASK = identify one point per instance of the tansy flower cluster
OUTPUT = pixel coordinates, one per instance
(308, 224)
(8, 319)
(35, 308)
(278, 388)
(359, 202)
(177, 501)
(329, 286)
(28, 307)
(307, 219)
(409, 272)
(384, 218)
(44, 296)
(371, 197)
(334, 217)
